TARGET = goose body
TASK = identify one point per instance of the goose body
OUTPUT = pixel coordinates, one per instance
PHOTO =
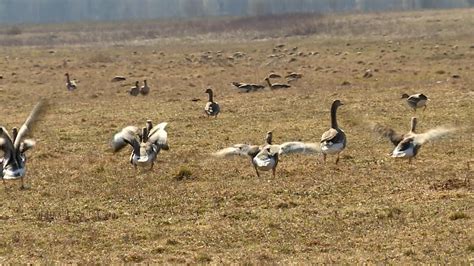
(333, 141)
(212, 108)
(13, 163)
(144, 90)
(70, 84)
(273, 76)
(247, 87)
(275, 86)
(146, 145)
(416, 101)
(265, 157)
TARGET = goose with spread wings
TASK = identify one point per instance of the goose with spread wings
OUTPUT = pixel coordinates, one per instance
(265, 157)
(410, 145)
(146, 144)
(13, 162)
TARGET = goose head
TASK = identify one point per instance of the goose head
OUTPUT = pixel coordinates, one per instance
(209, 91)
(269, 137)
(337, 103)
(149, 125)
(405, 96)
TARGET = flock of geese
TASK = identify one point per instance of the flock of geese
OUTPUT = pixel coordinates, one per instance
(146, 143)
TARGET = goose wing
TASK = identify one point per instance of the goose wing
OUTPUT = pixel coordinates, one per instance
(388, 133)
(432, 134)
(29, 123)
(297, 147)
(238, 150)
(27, 144)
(329, 135)
(159, 136)
(127, 135)
(6, 144)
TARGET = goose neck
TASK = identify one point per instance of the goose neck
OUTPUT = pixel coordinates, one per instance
(333, 116)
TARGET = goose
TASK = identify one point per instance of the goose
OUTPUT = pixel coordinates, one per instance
(265, 157)
(247, 87)
(70, 84)
(13, 163)
(410, 145)
(212, 108)
(144, 90)
(392, 135)
(146, 145)
(294, 75)
(276, 85)
(416, 101)
(273, 76)
(135, 90)
(333, 141)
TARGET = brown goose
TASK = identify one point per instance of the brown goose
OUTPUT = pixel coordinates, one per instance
(265, 157)
(70, 84)
(416, 101)
(144, 90)
(13, 163)
(273, 76)
(275, 86)
(212, 108)
(333, 141)
(135, 90)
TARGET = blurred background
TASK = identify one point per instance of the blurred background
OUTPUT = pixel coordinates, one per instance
(56, 11)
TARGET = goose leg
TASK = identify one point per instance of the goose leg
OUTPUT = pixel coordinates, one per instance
(324, 158)
(273, 172)
(337, 160)
(256, 170)
(4, 183)
(151, 167)
(22, 184)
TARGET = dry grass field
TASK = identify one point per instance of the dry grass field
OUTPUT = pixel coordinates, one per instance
(88, 205)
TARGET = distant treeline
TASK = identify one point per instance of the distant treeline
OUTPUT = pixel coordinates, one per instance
(46, 11)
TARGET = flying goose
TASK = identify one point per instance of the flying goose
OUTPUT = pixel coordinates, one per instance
(144, 90)
(135, 90)
(416, 100)
(265, 157)
(276, 85)
(14, 147)
(212, 108)
(146, 145)
(333, 141)
(411, 144)
(70, 84)
(392, 135)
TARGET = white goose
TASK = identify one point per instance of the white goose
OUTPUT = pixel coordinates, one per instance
(265, 157)
(13, 163)
(212, 108)
(146, 145)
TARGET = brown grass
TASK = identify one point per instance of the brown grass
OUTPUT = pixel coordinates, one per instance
(87, 204)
